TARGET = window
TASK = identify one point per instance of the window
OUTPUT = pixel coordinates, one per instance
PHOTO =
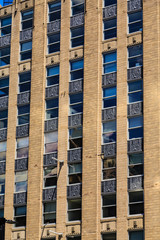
(77, 7)
(135, 164)
(76, 70)
(51, 108)
(2, 184)
(23, 114)
(75, 173)
(109, 168)
(74, 209)
(27, 19)
(110, 28)
(76, 103)
(135, 127)
(24, 82)
(49, 212)
(109, 236)
(110, 62)
(1, 212)
(135, 56)
(135, 22)
(51, 142)
(21, 181)
(54, 11)
(22, 147)
(4, 87)
(54, 43)
(75, 238)
(75, 137)
(135, 91)
(52, 75)
(50, 176)
(4, 56)
(109, 132)
(109, 97)
(3, 148)
(136, 203)
(109, 205)
(136, 235)
(77, 36)
(26, 50)
(109, 2)
(20, 216)
(5, 27)
(3, 118)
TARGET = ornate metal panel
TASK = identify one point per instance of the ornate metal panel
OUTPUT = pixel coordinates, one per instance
(110, 11)
(109, 114)
(135, 183)
(21, 164)
(134, 5)
(47, 159)
(108, 186)
(109, 150)
(74, 191)
(135, 145)
(51, 125)
(135, 109)
(26, 35)
(76, 86)
(3, 134)
(23, 98)
(135, 73)
(2, 167)
(75, 155)
(54, 26)
(3, 103)
(22, 131)
(1, 200)
(109, 79)
(75, 120)
(5, 40)
(49, 194)
(20, 198)
(77, 20)
(52, 92)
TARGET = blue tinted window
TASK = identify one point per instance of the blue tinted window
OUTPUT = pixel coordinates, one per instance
(135, 97)
(25, 77)
(136, 235)
(52, 103)
(135, 50)
(135, 22)
(110, 64)
(109, 92)
(76, 65)
(4, 82)
(109, 126)
(135, 122)
(75, 98)
(110, 57)
(24, 109)
(53, 71)
(6, 21)
(109, 2)
(26, 46)
(27, 15)
(20, 211)
(55, 6)
(134, 86)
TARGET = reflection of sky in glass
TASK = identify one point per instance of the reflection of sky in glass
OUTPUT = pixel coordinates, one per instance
(21, 187)
(51, 137)
(3, 146)
(21, 176)
(22, 142)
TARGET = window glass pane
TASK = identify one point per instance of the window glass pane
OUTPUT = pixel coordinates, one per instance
(5, 51)
(21, 187)
(109, 200)
(2, 179)
(109, 2)
(109, 173)
(24, 87)
(23, 142)
(26, 55)
(110, 33)
(136, 133)
(54, 38)
(77, 41)
(136, 196)
(77, 75)
(50, 207)
(135, 50)
(3, 123)
(74, 204)
(75, 168)
(26, 46)
(21, 176)
(78, 108)
(134, 86)
(109, 102)
(75, 143)
(75, 98)
(53, 71)
(19, 211)
(110, 57)
(20, 221)
(109, 126)
(49, 182)
(27, 15)
(27, 24)
(109, 212)
(1, 213)
(54, 48)
(51, 147)
(135, 170)
(109, 92)
(4, 82)
(4, 92)
(52, 103)
(75, 132)
(135, 158)
(3, 114)
(55, 6)
(77, 32)
(111, 67)
(135, 16)
(109, 163)
(78, 9)
(77, 2)
(22, 153)
(2, 156)
(136, 235)
(2, 189)
(109, 137)
(136, 62)
(110, 23)
(50, 171)
(51, 137)
(76, 65)
(24, 109)
(24, 119)
(134, 27)
(25, 77)
(53, 80)
(52, 113)
(135, 97)
(3, 146)
(135, 122)
(6, 21)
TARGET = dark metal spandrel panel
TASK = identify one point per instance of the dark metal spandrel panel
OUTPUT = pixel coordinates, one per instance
(75, 120)
(134, 5)
(1, 200)
(2, 168)
(109, 114)
(74, 191)
(52, 92)
(22, 131)
(76, 86)
(77, 20)
(109, 150)
(3, 134)
(5, 41)
(21, 164)
(49, 194)
(26, 35)
(48, 159)
(51, 125)
(20, 198)
(135, 145)
(135, 109)
(108, 186)
(54, 26)
(23, 98)
(3, 103)
(75, 155)
(135, 183)
(110, 12)
(135, 73)
(109, 79)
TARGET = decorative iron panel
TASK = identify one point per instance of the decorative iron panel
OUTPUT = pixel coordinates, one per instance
(2, 167)
(49, 194)
(74, 191)
(109, 114)
(1, 200)
(75, 120)
(109, 79)
(109, 150)
(135, 145)
(22, 131)
(135, 183)
(23, 98)
(110, 11)
(76, 86)
(134, 5)
(52, 92)
(3, 103)
(108, 186)
(54, 26)
(26, 35)
(51, 125)
(135, 109)
(135, 73)
(5, 41)
(75, 155)
(47, 159)
(77, 20)
(21, 164)
(20, 198)
(3, 134)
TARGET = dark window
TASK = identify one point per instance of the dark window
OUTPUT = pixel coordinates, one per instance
(75, 173)
(3, 118)
(75, 137)
(52, 75)
(50, 176)
(5, 27)
(54, 43)
(26, 50)
(136, 127)
(135, 56)
(49, 212)
(77, 36)
(74, 209)
(136, 235)
(135, 91)
(136, 164)
(27, 19)
(23, 114)
(76, 70)
(110, 28)
(136, 205)
(109, 2)
(109, 236)
(4, 56)
(109, 168)
(109, 97)
(54, 11)
(20, 216)
(135, 22)
(2, 184)
(77, 7)
(1, 212)
(109, 205)
(24, 82)
(52, 108)
(3, 148)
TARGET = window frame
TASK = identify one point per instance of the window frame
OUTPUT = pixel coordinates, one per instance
(48, 177)
(109, 29)
(77, 36)
(22, 52)
(49, 213)
(73, 6)
(29, 19)
(108, 168)
(135, 91)
(26, 181)
(23, 114)
(24, 82)
(71, 210)
(108, 205)
(6, 26)
(20, 216)
(133, 22)
(5, 56)
(135, 56)
(72, 165)
(136, 127)
(135, 203)
(45, 143)
(52, 12)
(3, 119)
(50, 76)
